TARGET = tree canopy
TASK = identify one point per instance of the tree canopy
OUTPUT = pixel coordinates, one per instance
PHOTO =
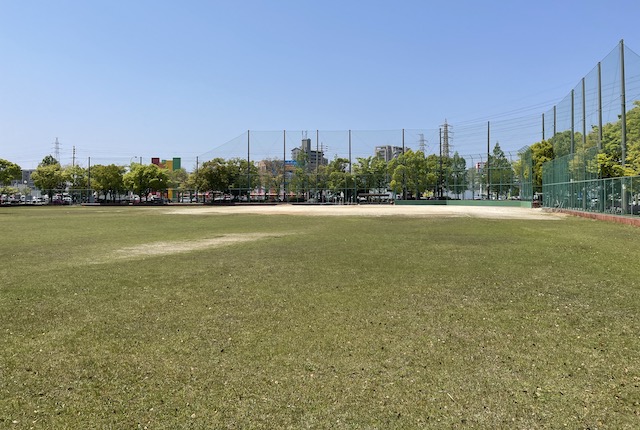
(500, 173)
(49, 175)
(145, 178)
(108, 179)
(9, 171)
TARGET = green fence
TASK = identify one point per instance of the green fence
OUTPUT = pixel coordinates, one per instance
(596, 141)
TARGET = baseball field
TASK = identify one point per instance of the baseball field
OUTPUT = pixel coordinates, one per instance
(352, 317)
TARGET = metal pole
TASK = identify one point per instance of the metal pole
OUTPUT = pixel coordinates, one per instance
(599, 107)
(573, 142)
(555, 120)
(284, 171)
(623, 131)
(584, 117)
(317, 163)
(355, 186)
(623, 107)
(197, 166)
(349, 151)
(584, 144)
(440, 173)
(404, 176)
(543, 126)
(90, 196)
(248, 166)
(488, 164)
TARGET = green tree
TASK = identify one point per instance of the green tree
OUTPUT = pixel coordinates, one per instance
(457, 175)
(474, 178)
(179, 181)
(271, 177)
(561, 143)
(433, 173)
(372, 174)
(77, 180)
(633, 140)
(8, 190)
(338, 179)
(610, 158)
(8, 172)
(108, 180)
(213, 175)
(541, 152)
(49, 160)
(501, 174)
(409, 171)
(300, 181)
(243, 176)
(77, 177)
(49, 176)
(143, 179)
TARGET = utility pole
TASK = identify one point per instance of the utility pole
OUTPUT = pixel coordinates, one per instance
(73, 157)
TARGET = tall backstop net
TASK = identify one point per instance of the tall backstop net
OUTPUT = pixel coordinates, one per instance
(595, 140)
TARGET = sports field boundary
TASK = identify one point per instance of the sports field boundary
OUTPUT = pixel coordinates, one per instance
(498, 203)
(621, 219)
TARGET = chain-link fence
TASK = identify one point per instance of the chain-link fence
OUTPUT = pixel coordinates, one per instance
(595, 137)
(370, 166)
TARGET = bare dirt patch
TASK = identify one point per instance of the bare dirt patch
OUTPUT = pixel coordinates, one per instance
(491, 212)
(175, 247)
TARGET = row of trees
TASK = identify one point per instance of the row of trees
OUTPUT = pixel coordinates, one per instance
(411, 175)
(107, 180)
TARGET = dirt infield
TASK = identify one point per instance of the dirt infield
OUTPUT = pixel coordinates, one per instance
(491, 212)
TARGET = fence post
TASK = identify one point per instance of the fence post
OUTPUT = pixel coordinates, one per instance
(487, 165)
(248, 166)
(623, 131)
(284, 168)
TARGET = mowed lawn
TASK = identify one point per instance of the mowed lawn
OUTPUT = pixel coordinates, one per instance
(135, 318)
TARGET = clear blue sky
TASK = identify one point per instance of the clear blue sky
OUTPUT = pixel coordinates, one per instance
(179, 78)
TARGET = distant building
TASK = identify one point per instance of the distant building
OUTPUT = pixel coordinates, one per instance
(25, 180)
(314, 158)
(274, 167)
(388, 152)
(171, 165)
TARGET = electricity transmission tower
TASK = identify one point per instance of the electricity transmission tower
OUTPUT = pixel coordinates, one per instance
(447, 137)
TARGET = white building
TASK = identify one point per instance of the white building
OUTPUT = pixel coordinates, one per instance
(388, 152)
(314, 157)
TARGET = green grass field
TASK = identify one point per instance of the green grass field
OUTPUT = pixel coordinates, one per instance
(316, 322)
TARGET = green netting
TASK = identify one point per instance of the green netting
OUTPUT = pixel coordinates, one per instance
(572, 182)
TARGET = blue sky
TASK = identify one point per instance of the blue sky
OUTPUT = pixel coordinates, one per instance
(180, 78)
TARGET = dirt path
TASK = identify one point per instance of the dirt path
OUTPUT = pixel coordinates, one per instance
(492, 212)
